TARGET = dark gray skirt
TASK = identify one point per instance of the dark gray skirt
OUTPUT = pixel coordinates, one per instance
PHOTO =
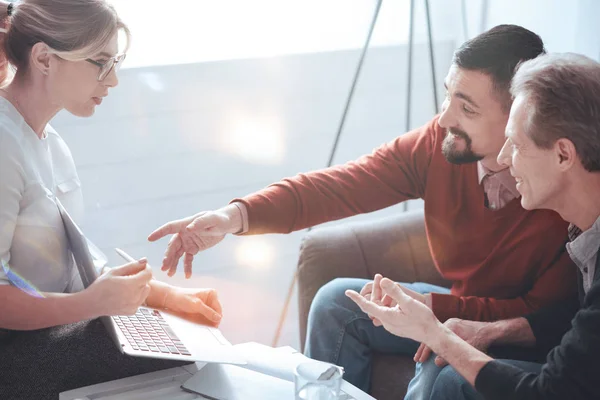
(40, 364)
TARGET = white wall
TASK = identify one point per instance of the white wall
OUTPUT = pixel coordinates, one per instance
(564, 25)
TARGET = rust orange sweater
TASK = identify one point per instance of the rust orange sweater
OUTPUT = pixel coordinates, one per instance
(503, 264)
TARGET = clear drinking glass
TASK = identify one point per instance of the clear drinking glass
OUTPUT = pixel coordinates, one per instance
(316, 380)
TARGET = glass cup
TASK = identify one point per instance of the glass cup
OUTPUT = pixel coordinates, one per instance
(316, 380)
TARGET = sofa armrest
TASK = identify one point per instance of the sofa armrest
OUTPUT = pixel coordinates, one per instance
(395, 247)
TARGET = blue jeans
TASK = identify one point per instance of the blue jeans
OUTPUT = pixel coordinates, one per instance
(421, 385)
(450, 385)
(340, 333)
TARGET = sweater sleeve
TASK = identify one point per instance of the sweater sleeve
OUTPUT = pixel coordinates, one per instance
(556, 283)
(571, 370)
(550, 324)
(395, 172)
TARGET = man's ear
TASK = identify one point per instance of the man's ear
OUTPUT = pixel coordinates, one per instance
(566, 153)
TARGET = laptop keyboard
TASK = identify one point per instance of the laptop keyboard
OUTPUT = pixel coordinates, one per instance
(147, 330)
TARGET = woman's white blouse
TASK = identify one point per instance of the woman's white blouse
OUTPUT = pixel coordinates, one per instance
(33, 172)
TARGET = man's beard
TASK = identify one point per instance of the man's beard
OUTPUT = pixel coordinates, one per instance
(455, 156)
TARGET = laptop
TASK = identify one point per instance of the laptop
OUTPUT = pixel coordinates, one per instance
(151, 332)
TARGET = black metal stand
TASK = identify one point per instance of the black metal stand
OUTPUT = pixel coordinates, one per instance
(347, 107)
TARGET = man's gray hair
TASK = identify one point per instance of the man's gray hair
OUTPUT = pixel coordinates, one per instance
(563, 96)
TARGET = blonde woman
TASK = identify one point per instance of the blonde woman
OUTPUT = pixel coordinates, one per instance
(63, 54)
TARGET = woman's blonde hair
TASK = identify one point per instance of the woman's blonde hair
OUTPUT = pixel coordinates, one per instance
(73, 30)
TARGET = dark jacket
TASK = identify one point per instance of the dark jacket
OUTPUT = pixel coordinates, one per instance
(572, 369)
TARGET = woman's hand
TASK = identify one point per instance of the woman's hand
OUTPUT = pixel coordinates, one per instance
(120, 290)
(198, 302)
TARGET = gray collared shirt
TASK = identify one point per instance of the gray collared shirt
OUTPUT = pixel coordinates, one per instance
(583, 250)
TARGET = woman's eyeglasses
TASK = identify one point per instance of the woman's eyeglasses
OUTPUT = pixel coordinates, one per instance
(106, 67)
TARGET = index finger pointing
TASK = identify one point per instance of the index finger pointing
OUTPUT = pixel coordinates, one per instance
(365, 305)
(170, 228)
(394, 291)
(376, 295)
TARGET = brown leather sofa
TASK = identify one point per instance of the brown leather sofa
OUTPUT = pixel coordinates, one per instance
(397, 248)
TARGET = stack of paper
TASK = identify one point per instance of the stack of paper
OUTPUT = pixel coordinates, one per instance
(269, 374)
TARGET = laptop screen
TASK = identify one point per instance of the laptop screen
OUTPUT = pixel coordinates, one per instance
(79, 248)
